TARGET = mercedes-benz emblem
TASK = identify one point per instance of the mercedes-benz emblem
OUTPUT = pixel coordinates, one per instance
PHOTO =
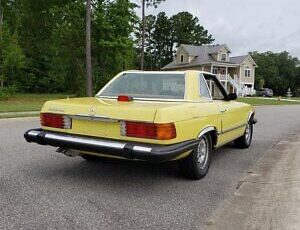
(92, 110)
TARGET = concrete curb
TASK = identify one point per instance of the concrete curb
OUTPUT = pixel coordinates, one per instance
(19, 114)
(269, 196)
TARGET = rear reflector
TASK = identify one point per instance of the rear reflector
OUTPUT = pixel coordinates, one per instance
(148, 130)
(55, 121)
(125, 98)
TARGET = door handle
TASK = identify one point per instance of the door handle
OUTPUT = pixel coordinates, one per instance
(223, 110)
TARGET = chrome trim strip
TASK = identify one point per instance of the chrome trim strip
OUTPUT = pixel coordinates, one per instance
(34, 133)
(206, 130)
(149, 99)
(93, 118)
(142, 149)
(82, 140)
(250, 114)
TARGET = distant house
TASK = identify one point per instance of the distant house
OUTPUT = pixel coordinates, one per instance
(236, 73)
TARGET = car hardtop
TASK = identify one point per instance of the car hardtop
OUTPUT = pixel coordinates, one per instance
(186, 73)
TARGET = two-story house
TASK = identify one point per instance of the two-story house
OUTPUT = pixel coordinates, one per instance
(236, 73)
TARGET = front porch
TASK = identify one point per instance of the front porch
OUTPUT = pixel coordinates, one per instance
(229, 76)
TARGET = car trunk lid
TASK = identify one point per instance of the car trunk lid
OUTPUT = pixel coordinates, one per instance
(100, 117)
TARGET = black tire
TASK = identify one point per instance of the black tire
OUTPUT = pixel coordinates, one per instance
(244, 141)
(191, 166)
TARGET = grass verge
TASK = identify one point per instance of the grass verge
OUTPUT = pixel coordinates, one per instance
(263, 101)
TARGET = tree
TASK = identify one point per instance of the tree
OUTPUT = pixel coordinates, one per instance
(114, 46)
(11, 56)
(162, 36)
(67, 71)
(1, 37)
(277, 70)
(144, 4)
(89, 80)
(163, 40)
(187, 30)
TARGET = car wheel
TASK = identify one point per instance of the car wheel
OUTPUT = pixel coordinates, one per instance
(196, 165)
(245, 141)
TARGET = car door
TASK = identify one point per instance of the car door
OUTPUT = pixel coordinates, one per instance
(230, 111)
(231, 116)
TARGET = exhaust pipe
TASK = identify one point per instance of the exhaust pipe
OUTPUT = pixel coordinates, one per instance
(68, 152)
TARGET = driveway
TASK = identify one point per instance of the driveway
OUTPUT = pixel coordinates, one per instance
(41, 189)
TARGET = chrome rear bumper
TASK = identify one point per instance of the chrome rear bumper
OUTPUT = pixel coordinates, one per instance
(129, 150)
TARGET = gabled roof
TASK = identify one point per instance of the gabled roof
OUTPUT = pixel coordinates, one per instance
(213, 49)
(203, 55)
(240, 59)
(193, 50)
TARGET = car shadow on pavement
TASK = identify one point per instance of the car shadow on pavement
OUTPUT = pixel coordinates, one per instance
(78, 169)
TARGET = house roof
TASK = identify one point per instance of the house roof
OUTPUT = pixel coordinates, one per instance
(238, 59)
(203, 55)
(196, 50)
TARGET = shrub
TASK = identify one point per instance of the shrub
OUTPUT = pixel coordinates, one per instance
(6, 93)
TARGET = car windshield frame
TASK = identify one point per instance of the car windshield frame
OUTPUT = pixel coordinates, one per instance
(148, 97)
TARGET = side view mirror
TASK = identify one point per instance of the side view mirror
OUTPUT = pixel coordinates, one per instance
(231, 97)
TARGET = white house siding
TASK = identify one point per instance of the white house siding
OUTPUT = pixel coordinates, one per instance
(247, 64)
(223, 51)
(181, 52)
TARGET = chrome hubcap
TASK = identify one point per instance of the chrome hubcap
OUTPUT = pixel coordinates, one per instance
(202, 153)
(248, 133)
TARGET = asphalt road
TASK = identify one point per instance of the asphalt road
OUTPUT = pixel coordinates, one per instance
(41, 189)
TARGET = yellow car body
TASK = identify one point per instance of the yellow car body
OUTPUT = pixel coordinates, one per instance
(99, 118)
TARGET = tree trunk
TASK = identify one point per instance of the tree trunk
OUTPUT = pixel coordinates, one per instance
(1, 68)
(143, 35)
(89, 77)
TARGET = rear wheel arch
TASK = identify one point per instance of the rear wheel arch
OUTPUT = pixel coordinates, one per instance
(212, 131)
(250, 115)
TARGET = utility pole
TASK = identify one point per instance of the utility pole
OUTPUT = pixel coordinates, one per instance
(89, 77)
(143, 35)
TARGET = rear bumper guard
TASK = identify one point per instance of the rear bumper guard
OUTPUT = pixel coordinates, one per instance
(129, 150)
(254, 121)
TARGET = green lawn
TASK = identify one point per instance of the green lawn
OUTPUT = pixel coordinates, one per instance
(262, 101)
(34, 102)
(27, 102)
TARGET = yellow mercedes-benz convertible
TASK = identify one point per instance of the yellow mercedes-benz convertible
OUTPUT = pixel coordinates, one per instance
(149, 116)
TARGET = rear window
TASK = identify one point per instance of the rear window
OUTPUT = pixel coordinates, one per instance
(147, 85)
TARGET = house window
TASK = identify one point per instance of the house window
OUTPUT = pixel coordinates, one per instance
(247, 72)
(181, 58)
(223, 57)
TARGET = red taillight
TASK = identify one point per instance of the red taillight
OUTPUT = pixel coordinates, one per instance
(125, 98)
(55, 121)
(148, 130)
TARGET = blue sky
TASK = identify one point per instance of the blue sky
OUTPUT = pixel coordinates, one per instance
(245, 25)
